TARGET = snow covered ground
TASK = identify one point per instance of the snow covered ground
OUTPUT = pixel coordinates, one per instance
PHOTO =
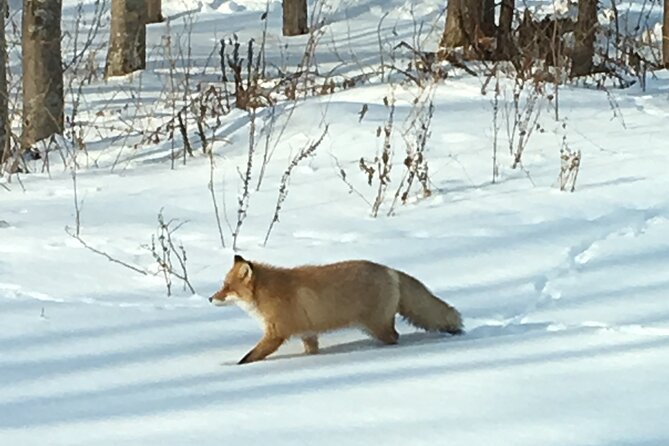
(564, 295)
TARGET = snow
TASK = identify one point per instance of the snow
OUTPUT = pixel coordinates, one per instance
(564, 295)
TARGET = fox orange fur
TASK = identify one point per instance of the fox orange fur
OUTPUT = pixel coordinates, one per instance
(308, 300)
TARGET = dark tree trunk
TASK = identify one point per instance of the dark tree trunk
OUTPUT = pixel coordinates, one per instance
(488, 23)
(154, 11)
(506, 49)
(127, 42)
(295, 17)
(665, 35)
(584, 36)
(463, 24)
(4, 112)
(42, 71)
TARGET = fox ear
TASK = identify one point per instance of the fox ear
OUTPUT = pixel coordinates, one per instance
(239, 258)
(245, 271)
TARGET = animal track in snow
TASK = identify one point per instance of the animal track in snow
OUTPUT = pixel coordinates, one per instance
(631, 223)
(644, 104)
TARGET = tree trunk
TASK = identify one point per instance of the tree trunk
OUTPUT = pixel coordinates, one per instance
(505, 46)
(154, 11)
(42, 71)
(295, 17)
(584, 36)
(488, 23)
(4, 112)
(463, 23)
(665, 35)
(127, 42)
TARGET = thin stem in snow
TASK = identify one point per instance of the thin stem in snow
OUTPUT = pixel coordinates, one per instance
(285, 178)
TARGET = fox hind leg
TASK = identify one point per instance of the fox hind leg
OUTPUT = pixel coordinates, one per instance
(381, 322)
(385, 333)
(310, 344)
(388, 336)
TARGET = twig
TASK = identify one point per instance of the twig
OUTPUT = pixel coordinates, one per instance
(495, 127)
(243, 200)
(285, 178)
(268, 128)
(378, 36)
(104, 254)
(343, 176)
(213, 197)
(184, 134)
(163, 256)
(77, 211)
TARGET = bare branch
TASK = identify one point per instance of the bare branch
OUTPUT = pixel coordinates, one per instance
(104, 254)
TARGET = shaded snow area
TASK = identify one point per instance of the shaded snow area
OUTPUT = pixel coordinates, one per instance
(564, 295)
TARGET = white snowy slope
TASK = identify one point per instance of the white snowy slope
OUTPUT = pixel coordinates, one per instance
(564, 295)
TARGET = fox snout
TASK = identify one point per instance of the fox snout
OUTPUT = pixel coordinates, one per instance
(222, 298)
(217, 298)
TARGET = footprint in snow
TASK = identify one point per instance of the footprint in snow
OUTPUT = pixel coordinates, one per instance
(588, 254)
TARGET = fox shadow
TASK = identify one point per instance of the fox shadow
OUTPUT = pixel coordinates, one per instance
(406, 340)
(277, 377)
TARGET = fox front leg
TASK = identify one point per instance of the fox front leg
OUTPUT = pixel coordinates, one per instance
(266, 346)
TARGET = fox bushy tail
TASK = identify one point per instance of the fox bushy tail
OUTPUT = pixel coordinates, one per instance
(424, 310)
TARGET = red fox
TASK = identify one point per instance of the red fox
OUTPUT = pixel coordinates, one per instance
(308, 300)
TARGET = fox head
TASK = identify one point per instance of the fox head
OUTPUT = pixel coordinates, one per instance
(237, 286)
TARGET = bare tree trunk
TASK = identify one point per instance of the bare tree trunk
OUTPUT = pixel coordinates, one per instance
(4, 112)
(488, 23)
(665, 35)
(505, 46)
(154, 11)
(127, 42)
(463, 23)
(42, 71)
(295, 17)
(584, 36)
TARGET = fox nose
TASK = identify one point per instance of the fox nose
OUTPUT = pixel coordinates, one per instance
(211, 299)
